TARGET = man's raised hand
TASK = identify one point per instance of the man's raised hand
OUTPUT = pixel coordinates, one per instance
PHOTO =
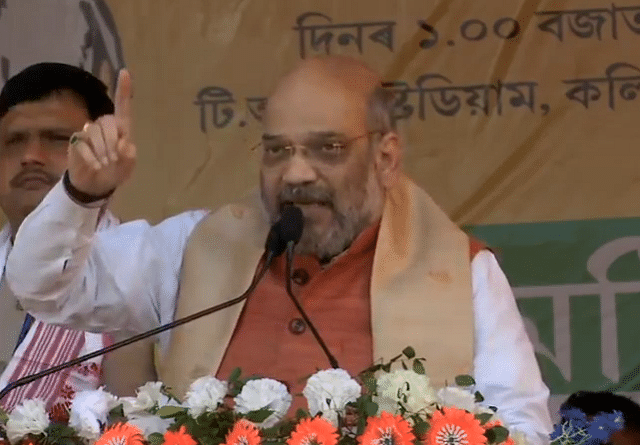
(102, 155)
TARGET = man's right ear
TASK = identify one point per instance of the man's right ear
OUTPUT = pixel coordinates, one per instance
(388, 159)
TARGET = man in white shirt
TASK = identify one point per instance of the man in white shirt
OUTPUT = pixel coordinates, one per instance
(330, 147)
(40, 108)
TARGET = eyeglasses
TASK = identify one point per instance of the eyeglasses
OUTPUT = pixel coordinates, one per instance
(327, 149)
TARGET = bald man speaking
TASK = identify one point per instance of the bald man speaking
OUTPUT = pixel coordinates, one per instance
(379, 265)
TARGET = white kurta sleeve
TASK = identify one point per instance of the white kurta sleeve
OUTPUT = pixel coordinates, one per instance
(123, 279)
(506, 370)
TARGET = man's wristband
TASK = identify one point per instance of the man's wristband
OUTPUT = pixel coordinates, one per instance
(79, 196)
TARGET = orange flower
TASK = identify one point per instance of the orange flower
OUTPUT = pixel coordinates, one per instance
(121, 434)
(180, 437)
(387, 430)
(316, 431)
(487, 426)
(243, 433)
(454, 426)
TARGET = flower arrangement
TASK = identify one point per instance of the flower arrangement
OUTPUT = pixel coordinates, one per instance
(380, 407)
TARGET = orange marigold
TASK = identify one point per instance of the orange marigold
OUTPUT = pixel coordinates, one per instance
(180, 437)
(454, 426)
(387, 430)
(243, 433)
(316, 431)
(121, 434)
(487, 426)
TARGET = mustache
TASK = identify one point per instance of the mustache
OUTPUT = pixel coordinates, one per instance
(308, 194)
(28, 172)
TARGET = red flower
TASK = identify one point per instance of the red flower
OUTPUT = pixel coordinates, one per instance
(454, 426)
(316, 431)
(243, 433)
(121, 434)
(180, 437)
(387, 430)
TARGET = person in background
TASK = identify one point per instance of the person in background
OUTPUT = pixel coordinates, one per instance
(40, 108)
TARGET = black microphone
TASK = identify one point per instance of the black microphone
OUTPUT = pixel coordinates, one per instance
(290, 233)
(274, 247)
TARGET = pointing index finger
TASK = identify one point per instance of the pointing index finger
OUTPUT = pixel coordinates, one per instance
(124, 92)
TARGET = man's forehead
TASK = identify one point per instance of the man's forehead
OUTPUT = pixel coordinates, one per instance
(316, 109)
(68, 99)
(53, 112)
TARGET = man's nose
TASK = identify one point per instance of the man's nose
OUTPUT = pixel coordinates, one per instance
(299, 170)
(34, 151)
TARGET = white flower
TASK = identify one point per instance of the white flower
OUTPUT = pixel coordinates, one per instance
(411, 389)
(150, 424)
(329, 392)
(30, 417)
(205, 394)
(147, 397)
(89, 410)
(264, 393)
(458, 397)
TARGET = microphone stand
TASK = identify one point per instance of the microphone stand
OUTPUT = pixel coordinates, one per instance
(332, 360)
(31, 378)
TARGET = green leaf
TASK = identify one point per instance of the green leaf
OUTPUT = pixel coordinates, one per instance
(117, 412)
(170, 411)
(484, 417)
(362, 423)
(370, 384)
(409, 352)
(465, 380)
(386, 368)
(235, 375)
(479, 397)
(347, 440)
(206, 440)
(59, 431)
(3, 416)
(156, 439)
(259, 415)
(370, 408)
(497, 434)
(418, 367)
(420, 428)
